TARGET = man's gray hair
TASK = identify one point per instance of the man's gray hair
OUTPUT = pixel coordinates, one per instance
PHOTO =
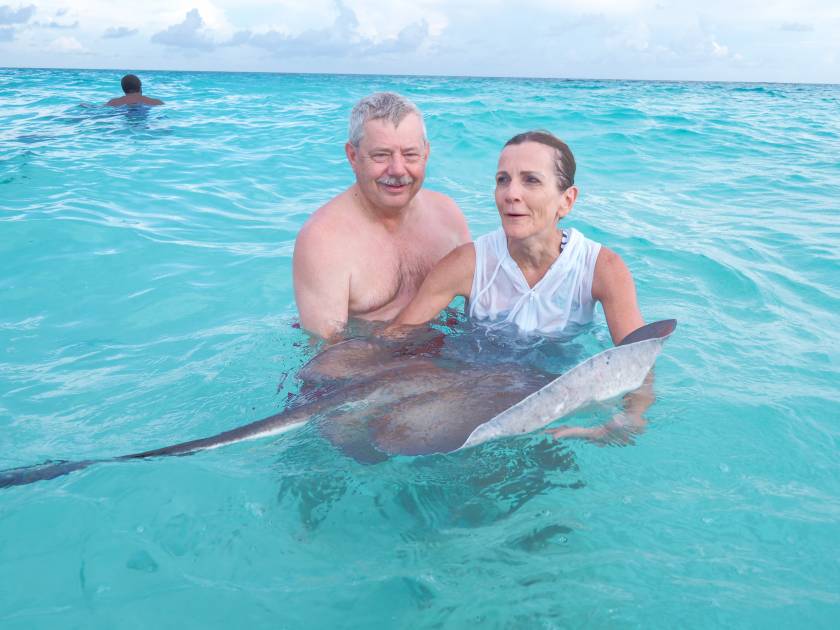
(382, 105)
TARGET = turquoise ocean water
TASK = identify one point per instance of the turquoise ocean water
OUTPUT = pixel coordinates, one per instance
(146, 299)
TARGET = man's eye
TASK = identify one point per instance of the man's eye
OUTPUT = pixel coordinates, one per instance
(411, 157)
(380, 157)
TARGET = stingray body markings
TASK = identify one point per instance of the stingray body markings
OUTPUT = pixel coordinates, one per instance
(413, 406)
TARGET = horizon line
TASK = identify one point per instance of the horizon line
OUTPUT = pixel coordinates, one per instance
(431, 76)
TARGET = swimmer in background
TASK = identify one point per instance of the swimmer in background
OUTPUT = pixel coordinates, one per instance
(133, 94)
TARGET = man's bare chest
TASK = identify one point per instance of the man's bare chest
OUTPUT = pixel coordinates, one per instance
(388, 273)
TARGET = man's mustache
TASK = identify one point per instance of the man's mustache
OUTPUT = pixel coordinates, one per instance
(405, 180)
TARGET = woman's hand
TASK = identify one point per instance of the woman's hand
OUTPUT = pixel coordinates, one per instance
(616, 432)
(624, 426)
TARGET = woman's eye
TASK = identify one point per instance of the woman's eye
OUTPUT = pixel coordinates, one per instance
(501, 179)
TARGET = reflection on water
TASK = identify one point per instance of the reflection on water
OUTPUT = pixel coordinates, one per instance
(473, 488)
(54, 142)
(98, 120)
(486, 484)
(14, 165)
(135, 114)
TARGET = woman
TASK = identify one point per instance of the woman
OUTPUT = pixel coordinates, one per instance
(531, 273)
(537, 276)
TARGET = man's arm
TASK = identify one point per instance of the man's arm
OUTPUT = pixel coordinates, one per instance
(452, 276)
(322, 284)
(613, 287)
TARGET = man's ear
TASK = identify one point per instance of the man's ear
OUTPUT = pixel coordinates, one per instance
(352, 154)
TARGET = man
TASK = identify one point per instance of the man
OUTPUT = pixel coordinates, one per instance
(365, 252)
(133, 93)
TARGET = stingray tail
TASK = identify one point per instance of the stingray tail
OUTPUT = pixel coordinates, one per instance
(40, 472)
(273, 425)
(278, 423)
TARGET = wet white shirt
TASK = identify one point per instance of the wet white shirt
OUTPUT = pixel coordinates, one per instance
(559, 304)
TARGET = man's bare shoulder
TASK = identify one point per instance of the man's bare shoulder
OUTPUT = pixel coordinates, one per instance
(446, 213)
(330, 218)
(326, 230)
(438, 201)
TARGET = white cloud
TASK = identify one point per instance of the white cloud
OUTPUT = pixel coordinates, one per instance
(376, 24)
(637, 37)
(66, 45)
(719, 50)
(213, 15)
(117, 32)
(341, 38)
(409, 38)
(191, 33)
(57, 25)
(796, 27)
(8, 15)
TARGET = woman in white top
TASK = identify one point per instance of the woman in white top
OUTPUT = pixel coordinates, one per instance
(531, 273)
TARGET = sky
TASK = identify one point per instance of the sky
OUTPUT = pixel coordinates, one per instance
(791, 41)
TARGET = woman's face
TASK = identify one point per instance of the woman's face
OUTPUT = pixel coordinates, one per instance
(527, 196)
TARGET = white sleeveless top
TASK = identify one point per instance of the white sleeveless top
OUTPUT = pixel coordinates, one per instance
(559, 304)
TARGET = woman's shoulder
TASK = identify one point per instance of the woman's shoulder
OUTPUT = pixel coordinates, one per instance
(576, 235)
(611, 274)
(608, 260)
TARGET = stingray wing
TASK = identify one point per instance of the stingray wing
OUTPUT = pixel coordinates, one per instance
(606, 375)
(439, 421)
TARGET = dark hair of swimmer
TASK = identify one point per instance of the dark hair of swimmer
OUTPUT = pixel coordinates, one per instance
(564, 161)
(130, 84)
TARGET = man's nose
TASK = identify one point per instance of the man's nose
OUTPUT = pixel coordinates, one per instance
(396, 165)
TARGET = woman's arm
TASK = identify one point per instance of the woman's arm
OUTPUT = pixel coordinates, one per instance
(452, 276)
(623, 426)
(613, 287)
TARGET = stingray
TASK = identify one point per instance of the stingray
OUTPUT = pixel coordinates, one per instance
(372, 404)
